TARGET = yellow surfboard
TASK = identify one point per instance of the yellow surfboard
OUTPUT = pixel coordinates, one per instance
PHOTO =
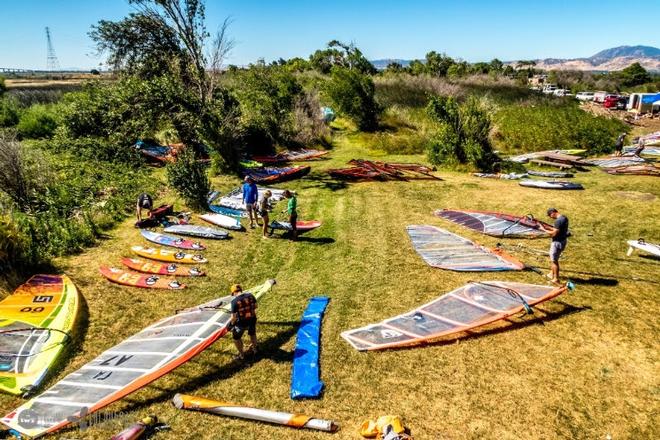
(168, 256)
(35, 322)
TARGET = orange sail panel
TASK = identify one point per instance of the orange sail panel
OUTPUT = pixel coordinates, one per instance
(460, 310)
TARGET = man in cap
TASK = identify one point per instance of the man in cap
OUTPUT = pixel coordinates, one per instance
(559, 234)
(243, 317)
(250, 195)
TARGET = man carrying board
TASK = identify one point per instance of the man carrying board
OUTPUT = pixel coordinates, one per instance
(243, 317)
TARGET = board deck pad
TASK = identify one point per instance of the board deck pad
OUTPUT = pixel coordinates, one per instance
(154, 267)
(496, 224)
(126, 367)
(171, 241)
(168, 256)
(224, 221)
(197, 231)
(135, 279)
(444, 250)
(35, 322)
(470, 306)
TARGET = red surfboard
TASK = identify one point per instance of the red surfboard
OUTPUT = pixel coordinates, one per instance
(134, 279)
(161, 268)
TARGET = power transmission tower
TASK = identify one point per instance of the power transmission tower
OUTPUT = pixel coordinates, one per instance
(51, 59)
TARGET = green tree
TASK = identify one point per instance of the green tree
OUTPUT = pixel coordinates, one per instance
(343, 55)
(462, 134)
(634, 75)
(354, 94)
(438, 64)
(417, 67)
(3, 86)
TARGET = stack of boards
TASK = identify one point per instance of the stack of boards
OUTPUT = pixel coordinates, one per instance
(152, 273)
(35, 323)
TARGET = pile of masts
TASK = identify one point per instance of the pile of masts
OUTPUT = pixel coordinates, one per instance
(374, 170)
(635, 170)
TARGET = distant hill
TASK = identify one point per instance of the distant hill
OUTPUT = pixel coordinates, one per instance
(382, 64)
(616, 58)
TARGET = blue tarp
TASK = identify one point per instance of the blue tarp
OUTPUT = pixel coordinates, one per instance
(305, 380)
(650, 99)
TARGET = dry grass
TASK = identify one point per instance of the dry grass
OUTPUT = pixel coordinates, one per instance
(584, 366)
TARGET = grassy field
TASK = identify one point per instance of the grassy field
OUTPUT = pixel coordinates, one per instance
(584, 366)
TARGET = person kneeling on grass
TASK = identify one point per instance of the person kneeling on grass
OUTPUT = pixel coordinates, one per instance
(144, 201)
(243, 317)
(292, 210)
(559, 234)
(263, 206)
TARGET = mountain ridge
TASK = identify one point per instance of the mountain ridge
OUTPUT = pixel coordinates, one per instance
(612, 59)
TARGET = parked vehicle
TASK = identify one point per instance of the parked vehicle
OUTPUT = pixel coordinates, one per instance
(622, 103)
(585, 96)
(600, 96)
(549, 89)
(562, 92)
(611, 101)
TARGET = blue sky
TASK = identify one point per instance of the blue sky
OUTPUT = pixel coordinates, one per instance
(474, 30)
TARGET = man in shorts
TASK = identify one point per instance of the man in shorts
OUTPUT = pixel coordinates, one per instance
(250, 195)
(559, 234)
(243, 317)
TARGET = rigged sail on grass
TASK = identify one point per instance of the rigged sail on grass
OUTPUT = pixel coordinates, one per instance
(461, 310)
(126, 367)
(496, 224)
(442, 249)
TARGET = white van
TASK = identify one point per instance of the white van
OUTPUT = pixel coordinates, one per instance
(600, 96)
(585, 96)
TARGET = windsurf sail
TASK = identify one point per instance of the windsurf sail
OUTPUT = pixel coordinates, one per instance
(126, 367)
(510, 176)
(468, 307)
(615, 161)
(551, 174)
(635, 170)
(496, 224)
(272, 174)
(234, 199)
(292, 156)
(442, 249)
(35, 322)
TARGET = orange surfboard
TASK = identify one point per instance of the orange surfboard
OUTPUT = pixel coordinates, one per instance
(134, 279)
(161, 268)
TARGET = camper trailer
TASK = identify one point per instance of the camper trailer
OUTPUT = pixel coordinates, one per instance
(600, 96)
(643, 102)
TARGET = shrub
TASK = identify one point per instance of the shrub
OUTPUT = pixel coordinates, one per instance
(37, 122)
(353, 94)
(463, 134)
(9, 113)
(267, 96)
(308, 124)
(188, 177)
(555, 124)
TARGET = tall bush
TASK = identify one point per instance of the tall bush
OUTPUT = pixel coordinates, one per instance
(353, 94)
(462, 136)
(37, 122)
(188, 177)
